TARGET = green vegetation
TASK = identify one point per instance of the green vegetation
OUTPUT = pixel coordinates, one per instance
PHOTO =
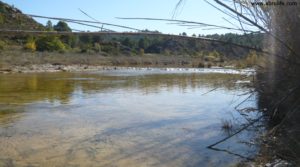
(60, 26)
(30, 44)
(251, 39)
(49, 43)
(2, 45)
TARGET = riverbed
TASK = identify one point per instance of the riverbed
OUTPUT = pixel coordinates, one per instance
(125, 117)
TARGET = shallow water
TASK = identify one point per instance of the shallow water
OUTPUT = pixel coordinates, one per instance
(121, 118)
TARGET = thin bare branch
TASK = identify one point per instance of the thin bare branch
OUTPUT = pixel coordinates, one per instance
(84, 21)
(183, 21)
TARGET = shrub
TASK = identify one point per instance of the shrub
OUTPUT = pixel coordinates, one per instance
(251, 59)
(30, 44)
(240, 64)
(2, 45)
(97, 47)
(50, 43)
(201, 65)
(86, 48)
(141, 52)
(209, 65)
(2, 18)
(209, 58)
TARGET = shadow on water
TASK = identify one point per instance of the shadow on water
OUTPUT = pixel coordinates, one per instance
(104, 119)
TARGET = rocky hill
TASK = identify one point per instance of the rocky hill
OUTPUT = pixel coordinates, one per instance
(12, 18)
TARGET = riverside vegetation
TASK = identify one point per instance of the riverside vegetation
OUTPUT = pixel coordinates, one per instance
(117, 50)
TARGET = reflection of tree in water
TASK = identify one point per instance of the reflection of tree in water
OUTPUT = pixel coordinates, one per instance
(28, 88)
(155, 82)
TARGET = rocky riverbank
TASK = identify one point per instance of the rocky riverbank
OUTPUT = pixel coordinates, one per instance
(51, 68)
(83, 68)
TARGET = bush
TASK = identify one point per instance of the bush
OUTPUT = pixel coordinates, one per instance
(50, 43)
(86, 48)
(251, 59)
(201, 65)
(209, 65)
(141, 52)
(97, 47)
(2, 18)
(2, 45)
(30, 44)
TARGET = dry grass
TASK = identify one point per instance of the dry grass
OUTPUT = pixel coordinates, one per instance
(23, 58)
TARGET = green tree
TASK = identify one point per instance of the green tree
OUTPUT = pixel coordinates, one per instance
(62, 26)
(85, 39)
(127, 42)
(143, 43)
(49, 26)
(71, 40)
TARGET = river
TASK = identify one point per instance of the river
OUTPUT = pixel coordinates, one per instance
(133, 117)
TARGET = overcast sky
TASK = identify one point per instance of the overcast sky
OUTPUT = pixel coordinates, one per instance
(108, 10)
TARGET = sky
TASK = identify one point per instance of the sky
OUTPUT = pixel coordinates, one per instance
(108, 10)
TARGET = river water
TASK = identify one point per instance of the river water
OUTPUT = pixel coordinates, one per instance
(123, 118)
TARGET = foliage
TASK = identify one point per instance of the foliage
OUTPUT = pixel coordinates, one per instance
(2, 45)
(49, 26)
(62, 26)
(71, 41)
(97, 47)
(49, 43)
(30, 44)
(128, 42)
(143, 43)
(251, 40)
(85, 39)
(85, 48)
(251, 59)
(2, 17)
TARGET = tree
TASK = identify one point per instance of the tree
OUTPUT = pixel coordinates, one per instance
(62, 26)
(143, 43)
(49, 26)
(184, 34)
(127, 42)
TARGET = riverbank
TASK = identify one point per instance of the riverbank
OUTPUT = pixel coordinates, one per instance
(49, 68)
(17, 57)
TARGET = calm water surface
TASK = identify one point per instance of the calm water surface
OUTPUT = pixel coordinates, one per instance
(121, 118)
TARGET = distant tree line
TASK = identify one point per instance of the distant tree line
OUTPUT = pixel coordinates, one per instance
(138, 45)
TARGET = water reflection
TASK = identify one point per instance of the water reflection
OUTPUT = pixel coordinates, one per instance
(103, 119)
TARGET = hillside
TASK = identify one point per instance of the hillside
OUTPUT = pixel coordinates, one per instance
(13, 18)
